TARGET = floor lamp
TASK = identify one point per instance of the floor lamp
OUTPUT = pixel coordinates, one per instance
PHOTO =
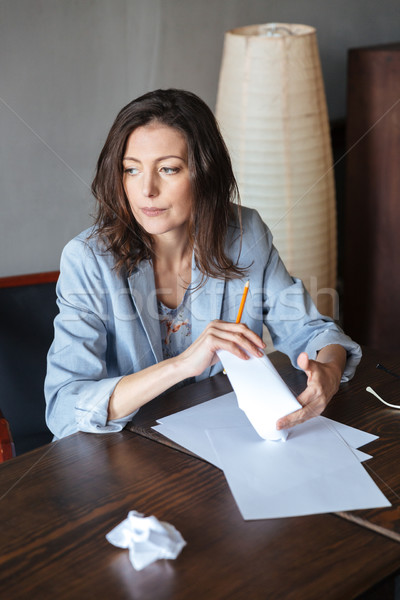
(272, 111)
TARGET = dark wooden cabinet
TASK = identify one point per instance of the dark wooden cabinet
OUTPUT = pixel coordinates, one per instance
(371, 301)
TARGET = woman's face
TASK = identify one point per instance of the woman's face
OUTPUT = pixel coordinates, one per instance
(156, 179)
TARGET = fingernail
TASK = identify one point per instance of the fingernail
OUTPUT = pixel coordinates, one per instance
(260, 353)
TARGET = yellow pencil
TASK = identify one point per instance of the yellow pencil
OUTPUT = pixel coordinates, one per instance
(243, 302)
(241, 307)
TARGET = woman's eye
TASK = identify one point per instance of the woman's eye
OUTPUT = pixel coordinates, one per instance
(170, 170)
(131, 171)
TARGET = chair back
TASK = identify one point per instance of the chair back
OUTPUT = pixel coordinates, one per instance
(27, 310)
(7, 448)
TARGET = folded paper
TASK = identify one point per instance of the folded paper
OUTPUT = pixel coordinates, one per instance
(261, 393)
(147, 538)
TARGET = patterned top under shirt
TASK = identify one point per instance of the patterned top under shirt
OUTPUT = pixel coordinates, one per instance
(176, 329)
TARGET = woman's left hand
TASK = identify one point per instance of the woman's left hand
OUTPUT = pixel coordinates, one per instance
(323, 379)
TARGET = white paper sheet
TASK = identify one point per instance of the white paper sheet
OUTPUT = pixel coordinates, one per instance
(317, 465)
(261, 392)
(191, 438)
(188, 427)
(361, 456)
(353, 437)
(315, 472)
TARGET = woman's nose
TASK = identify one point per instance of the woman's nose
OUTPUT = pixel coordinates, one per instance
(150, 186)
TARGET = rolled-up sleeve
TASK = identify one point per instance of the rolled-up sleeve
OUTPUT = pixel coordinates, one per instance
(78, 386)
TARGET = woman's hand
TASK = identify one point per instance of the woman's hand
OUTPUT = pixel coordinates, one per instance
(136, 389)
(323, 379)
(219, 335)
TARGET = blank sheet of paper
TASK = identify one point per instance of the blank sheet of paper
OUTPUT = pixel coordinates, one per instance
(188, 427)
(315, 472)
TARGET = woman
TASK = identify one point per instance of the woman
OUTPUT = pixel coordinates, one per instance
(151, 292)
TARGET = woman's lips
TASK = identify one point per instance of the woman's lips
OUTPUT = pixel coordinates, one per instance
(152, 212)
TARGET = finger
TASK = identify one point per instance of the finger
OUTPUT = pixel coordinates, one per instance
(313, 404)
(214, 338)
(297, 417)
(307, 365)
(239, 347)
(239, 328)
(238, 336)
(303, 361)
(314, 398)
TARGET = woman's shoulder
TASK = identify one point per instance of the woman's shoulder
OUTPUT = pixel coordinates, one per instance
(88, 240)
(87, 248)
(253, 227)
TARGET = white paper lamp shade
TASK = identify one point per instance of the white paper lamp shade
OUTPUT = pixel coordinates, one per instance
(272, 111)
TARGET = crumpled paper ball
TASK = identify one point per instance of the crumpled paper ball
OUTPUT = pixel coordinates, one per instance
(147, 538)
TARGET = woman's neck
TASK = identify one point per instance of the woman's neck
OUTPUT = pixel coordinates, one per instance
(172, 264)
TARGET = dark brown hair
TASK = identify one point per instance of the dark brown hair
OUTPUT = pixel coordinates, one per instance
(213, 183)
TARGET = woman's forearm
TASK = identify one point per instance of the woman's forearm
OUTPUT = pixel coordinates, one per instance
(135, 390)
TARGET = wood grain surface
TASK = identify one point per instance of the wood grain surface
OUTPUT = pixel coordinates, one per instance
(354, 406)
(59, 501)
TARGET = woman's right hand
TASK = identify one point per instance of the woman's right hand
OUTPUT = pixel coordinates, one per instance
(136, 389)
(219, 335)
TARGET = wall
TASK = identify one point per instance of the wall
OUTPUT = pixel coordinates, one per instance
(68, 66)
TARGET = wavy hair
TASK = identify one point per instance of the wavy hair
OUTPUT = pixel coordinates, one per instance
(214, 187)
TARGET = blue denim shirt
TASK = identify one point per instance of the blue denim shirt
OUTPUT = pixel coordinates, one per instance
(108, 324)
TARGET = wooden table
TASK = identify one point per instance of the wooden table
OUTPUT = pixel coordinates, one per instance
(352, 405)
(59, 501)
